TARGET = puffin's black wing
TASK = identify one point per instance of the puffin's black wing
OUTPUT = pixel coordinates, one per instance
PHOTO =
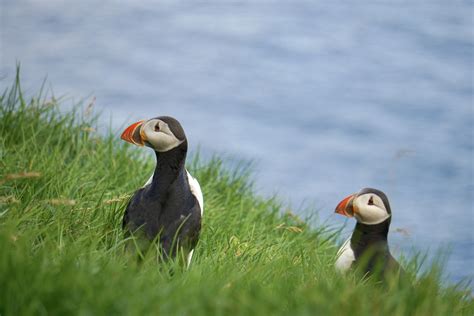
(126, 220)
(176, 222)
(183, 232)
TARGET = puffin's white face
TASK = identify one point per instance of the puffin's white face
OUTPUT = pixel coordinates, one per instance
(162, 134)
(367, 207)
(158, 135)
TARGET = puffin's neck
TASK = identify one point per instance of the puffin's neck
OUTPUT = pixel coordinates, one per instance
(170, 165)
(379, 229)
(366, 235)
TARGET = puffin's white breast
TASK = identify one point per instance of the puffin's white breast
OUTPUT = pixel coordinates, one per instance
(148, 182)
(196, 190)
(345, 257)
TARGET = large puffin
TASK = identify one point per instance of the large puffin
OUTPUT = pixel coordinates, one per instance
(169, 207)
(367, 248)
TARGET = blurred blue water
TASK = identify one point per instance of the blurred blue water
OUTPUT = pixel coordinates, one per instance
(324, 98)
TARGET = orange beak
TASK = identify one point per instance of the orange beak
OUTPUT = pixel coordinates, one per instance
(346, 207)
(132, 134)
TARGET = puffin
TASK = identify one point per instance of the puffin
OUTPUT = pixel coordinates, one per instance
(367, 249)
(168, 209)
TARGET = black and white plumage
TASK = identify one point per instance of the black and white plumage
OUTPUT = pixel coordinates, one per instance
(169, 207)
(367, 248)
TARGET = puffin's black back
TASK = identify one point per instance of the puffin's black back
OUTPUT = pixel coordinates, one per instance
(166, 209)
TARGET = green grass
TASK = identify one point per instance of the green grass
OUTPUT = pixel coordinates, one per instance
(63, 190)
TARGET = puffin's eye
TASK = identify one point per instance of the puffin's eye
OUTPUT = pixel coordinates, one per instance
(371, 200)
(157, 127)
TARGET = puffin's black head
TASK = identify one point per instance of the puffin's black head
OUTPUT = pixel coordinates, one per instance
(369, 206)
(161, 133)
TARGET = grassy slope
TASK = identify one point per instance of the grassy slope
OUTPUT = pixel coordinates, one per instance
(61, 243)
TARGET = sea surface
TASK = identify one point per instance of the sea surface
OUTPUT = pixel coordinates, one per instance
(323, 98)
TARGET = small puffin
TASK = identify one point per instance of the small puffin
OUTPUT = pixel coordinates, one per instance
(367, 248)
(169, 207)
